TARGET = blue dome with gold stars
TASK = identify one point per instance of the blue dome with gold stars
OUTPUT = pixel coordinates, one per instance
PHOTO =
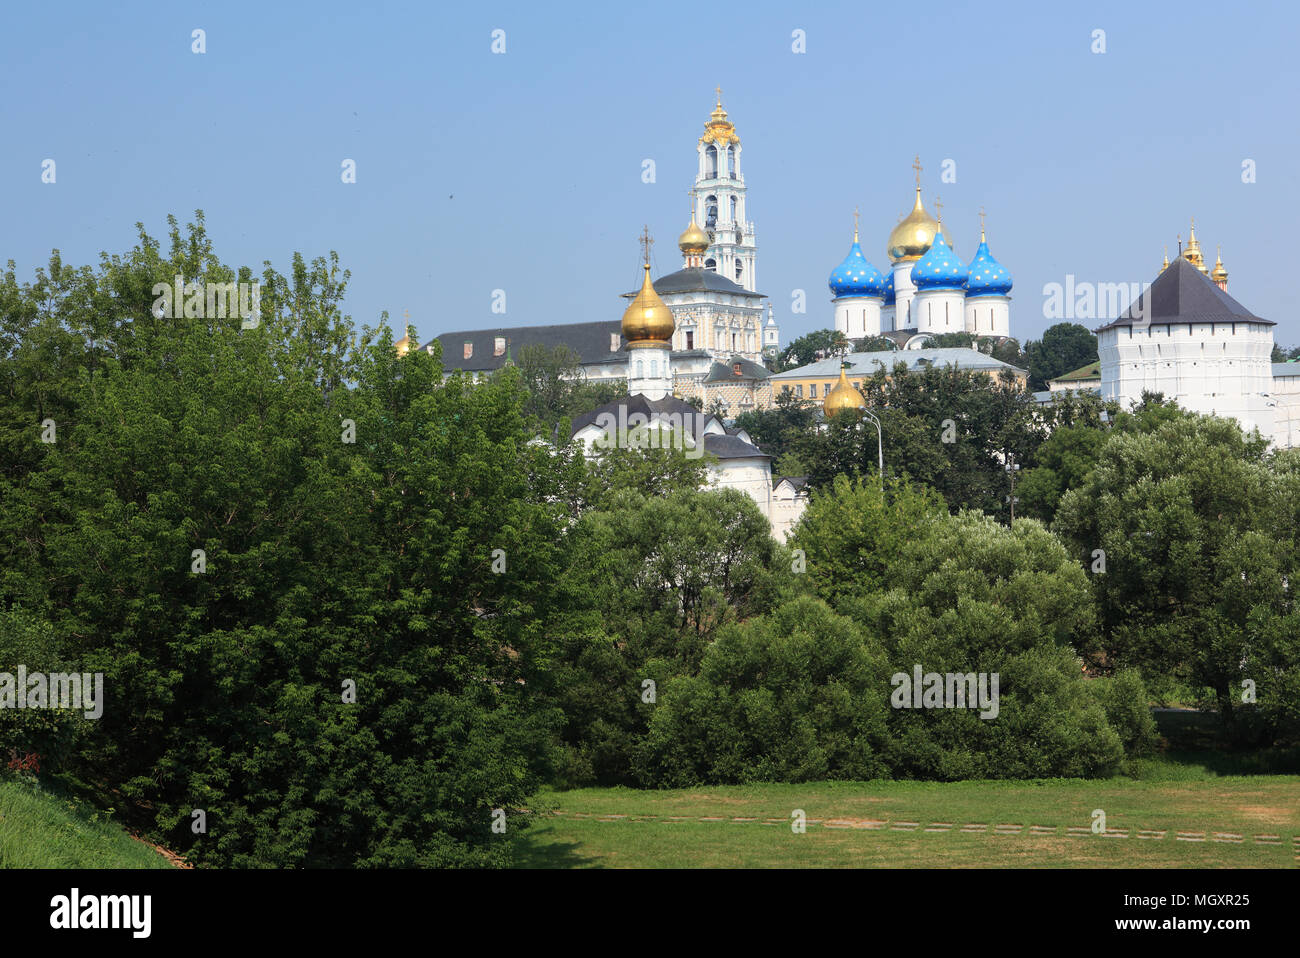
(891, 298)
(988, 277)
(939, 268)
(855, 276)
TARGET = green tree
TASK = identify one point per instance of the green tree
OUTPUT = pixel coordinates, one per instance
(1196, 564)
(1063, 348)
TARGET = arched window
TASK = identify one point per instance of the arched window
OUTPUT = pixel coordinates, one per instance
(710, 212)
(733, 209)
(711, 161)
(731, 162)
(711, 263)
(740, 269)
(638, 369)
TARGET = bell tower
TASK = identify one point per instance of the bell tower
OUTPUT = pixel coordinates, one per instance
(718, 201)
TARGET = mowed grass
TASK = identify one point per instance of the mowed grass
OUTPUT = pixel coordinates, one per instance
(1193, 784)
(41, 829)
(1245, 806)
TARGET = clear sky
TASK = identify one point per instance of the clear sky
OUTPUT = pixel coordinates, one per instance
(522, 171)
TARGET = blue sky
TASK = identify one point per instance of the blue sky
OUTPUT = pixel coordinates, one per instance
(522, 171)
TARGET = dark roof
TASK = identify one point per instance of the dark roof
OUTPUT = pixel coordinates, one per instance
(589, 340)
(726, 372)
(1183, 294)
(696, 279)
(1082, 374)
(721, 445)
(797, 481)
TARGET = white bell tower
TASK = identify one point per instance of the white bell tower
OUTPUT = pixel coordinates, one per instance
(719, 201)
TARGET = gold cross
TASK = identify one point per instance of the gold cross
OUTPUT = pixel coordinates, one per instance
(916, 165)
(646, 243)
(981, 219)
(719, 92)
(938, 206)
(855, 222)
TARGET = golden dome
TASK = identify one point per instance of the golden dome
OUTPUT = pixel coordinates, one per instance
(719, 129)
(842, 397)
(913, 236)
(1193, 251)
(694, 240)
(1219, 274)
(403, 345)
(647, 320)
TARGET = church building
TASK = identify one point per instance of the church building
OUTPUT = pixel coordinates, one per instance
(929, 289)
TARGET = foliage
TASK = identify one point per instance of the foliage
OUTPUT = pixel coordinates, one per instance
(1197, 529)
(1064, 348)
(792, 696)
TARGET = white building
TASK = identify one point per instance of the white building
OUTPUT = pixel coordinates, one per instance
(928, 289)
(718, 201)
(1187, 339)
(735, 462)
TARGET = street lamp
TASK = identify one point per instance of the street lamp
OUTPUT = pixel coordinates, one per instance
(880, 445)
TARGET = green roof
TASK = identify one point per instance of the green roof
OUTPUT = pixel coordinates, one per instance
(1090, 371)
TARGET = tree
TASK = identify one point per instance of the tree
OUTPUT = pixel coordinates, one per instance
(792, 696)
(874, 344)
(813, 346)
(1064, 348)
(945, 427)
(277, 543)
(1197, 564)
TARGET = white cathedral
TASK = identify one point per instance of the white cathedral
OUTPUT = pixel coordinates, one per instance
(929, 289)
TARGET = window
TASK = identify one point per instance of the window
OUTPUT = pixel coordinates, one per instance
(613, 342)
(690, 340)
(711, 263)
(638, 369)
(740, 270)
(499, 346)
(711, 162)
(469, 350)
(735, 368)
(798, 390)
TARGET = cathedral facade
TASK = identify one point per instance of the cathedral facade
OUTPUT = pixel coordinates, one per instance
(928, 289)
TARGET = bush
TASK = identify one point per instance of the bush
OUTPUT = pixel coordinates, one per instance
(796, 695)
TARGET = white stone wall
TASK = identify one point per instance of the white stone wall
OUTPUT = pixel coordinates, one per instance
(1221, 369)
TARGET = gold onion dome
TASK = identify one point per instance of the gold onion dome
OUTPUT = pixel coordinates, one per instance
(1219, 274)
(647, 319)
(694, 240)
(842, 397)
(914, 235)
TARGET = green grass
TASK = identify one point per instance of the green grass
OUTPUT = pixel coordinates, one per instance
(1193, 784)
(40, 827)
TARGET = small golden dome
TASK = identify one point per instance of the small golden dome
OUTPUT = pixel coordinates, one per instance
(1219, 274)
(1193, 251)
(694, 240)
(913, 236)
(647, 319)
(842, 397)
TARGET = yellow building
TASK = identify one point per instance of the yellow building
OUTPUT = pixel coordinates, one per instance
(816, 380)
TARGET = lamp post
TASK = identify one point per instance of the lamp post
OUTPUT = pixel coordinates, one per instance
(880, 445)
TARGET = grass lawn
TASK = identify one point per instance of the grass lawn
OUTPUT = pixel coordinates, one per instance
(1190, 787)
(41, 828)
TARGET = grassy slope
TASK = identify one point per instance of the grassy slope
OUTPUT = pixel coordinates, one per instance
(42, 829)
(1191, 787)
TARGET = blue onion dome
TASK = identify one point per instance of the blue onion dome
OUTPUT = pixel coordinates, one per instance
(890, 298)
(855, 276)
(988, 277)
(939, 268)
